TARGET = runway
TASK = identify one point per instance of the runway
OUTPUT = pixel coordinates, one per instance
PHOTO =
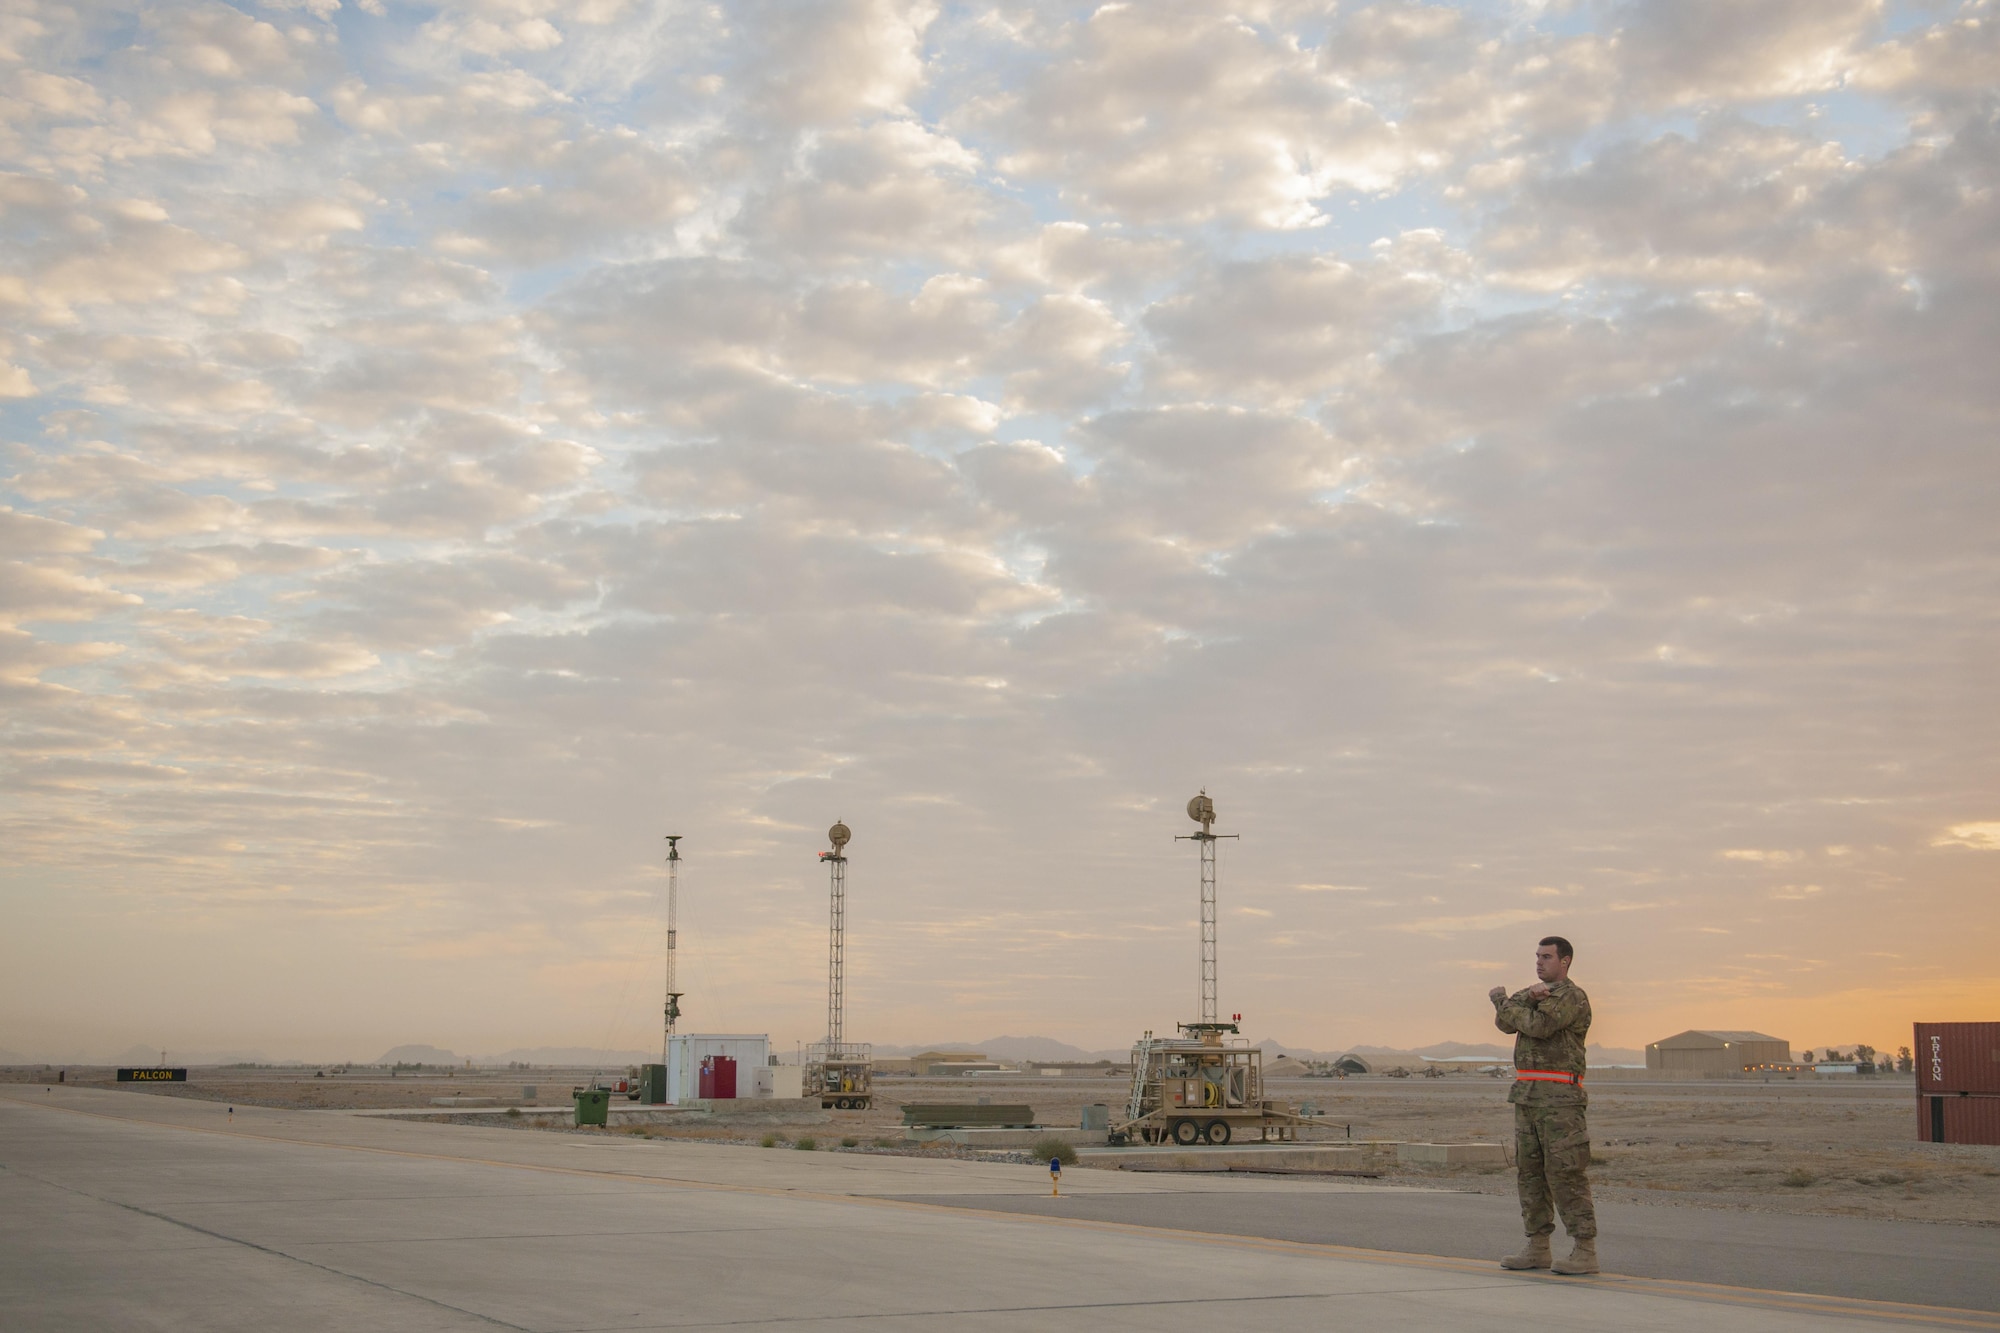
(131, 1211)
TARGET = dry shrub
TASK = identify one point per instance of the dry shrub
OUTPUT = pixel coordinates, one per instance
(1059, 1149)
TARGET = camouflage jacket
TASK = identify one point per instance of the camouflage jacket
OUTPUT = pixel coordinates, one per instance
(1548, 1035)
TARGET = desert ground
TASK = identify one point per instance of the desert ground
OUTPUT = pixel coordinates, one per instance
(1826, 1146)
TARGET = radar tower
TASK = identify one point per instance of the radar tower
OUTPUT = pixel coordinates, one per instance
(673, 1008)
(836, 935)
(1202, 811)
(838, 1071)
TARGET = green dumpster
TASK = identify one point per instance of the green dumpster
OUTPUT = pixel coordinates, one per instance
(593, 1106)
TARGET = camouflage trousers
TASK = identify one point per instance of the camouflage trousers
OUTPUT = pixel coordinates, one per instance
(1551, 1154)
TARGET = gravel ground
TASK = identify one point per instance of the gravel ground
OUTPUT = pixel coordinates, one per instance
(1788, 1147)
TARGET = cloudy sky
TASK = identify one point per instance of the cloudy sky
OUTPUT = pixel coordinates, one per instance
(1534, 463)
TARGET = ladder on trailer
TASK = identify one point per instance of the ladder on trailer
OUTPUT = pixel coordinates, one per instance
(1142, 1064)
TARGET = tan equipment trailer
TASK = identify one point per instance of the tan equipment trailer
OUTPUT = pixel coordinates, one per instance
(838, 1074)
(1195, 1089)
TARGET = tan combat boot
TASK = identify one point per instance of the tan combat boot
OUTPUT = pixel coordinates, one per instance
(1535, 1254)
(1582, 1259)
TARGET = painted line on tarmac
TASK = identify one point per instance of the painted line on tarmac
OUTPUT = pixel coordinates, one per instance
(1668, 1288)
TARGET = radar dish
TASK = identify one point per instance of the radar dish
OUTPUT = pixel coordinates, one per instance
(1202, 810)
(838, 835)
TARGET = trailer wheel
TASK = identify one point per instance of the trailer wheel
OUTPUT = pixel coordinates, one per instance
(1186, 1132)
(1217, 1132)
(842, 1104)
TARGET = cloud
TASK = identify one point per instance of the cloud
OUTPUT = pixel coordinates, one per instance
(822, 63)
(1983, 837)
(417, 604)
(598, 189)
(502, 34)
(1678, 51)
(24, 658)
(1180, 112)
(892, 188)
(1741, 204)
(1944, 62)
(109, 254)
(1297, 324)
(30, 593)
(31, 534)
(1533, 464)
(1456, 925)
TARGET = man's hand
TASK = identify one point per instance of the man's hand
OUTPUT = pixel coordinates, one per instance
(1538, 991)
(1497, 994)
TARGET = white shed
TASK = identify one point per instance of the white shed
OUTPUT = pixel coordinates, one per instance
(686, 1051)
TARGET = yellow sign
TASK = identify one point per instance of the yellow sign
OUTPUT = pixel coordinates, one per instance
(152, 1075)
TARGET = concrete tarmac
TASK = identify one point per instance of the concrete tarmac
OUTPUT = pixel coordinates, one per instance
(1914, 1262)
(130, 1211)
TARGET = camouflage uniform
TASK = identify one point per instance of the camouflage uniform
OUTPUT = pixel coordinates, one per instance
(1551, 1140)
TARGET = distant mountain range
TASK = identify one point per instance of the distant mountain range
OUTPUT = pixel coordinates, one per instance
(1048, 1048)
(418, 1055)
(527, 1055)
(141, 1056)
(1445, 1050)
(1010, 1048)
(998, 1048)
(566, 1055)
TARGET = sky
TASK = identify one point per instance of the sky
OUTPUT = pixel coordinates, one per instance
(1533, 463)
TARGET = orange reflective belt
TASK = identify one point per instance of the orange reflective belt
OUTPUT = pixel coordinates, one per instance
(1546, 1076)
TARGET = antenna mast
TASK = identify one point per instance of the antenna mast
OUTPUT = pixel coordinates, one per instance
(673, 1009)
(1202, 811)
(836, 936)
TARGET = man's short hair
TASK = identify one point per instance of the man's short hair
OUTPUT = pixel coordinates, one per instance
(1563, 949)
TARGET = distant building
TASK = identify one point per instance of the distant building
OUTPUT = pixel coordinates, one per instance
(920, 1063)
(964, 1068)
(1717, 1052)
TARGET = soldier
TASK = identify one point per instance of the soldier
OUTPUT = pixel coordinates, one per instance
(1550, 1020)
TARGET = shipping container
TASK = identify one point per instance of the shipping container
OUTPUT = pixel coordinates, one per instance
(1957, 1057)
(1958, 1117)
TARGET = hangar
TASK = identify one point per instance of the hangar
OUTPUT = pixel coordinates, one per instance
(1715, 1052)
